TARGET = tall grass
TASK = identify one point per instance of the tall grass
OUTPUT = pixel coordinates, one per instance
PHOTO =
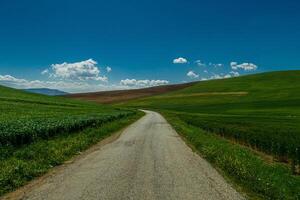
(260, 133)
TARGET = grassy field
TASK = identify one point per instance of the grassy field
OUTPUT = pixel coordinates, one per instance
(260, 111)
(38, 132)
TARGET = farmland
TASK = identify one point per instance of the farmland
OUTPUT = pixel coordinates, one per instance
(260, 112)
(38, 132)
(107, 97)
(25, 117)
(248, 127)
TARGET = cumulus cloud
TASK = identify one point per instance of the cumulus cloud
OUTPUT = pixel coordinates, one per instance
(243, 66)
(83, 70)
(222, 76)
(180, 60)
(65, 85)
(108, 69)
(142, 83)
(11, 81)
(192, 74)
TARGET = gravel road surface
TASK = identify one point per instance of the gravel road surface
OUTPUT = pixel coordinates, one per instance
(148, 161)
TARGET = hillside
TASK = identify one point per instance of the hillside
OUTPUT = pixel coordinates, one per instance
(46, 91)
(256, 101)
(25, 117)
(248, 94)
(125, 95)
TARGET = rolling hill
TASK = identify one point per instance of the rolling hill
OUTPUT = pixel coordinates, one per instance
(116, 96)
(276, 91)
(26, 117)
(262, 110)
(46, 91)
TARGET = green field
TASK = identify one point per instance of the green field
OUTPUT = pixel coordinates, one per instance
(260, 111)
(38, 132)
(26, 117)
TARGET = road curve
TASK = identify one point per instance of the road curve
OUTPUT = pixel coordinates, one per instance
(148, 161)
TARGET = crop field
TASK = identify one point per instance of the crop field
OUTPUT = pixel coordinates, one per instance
(25, 117)
(262, 110)
(259, 111)
(255, 177)
(38, 132)
(108, 97)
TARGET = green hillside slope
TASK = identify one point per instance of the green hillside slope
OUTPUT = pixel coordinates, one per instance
(277, 91)
(262, 110)
(25, 117)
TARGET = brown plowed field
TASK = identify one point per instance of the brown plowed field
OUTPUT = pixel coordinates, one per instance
(124, 95)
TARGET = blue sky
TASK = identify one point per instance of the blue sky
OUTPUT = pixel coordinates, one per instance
(139, 41)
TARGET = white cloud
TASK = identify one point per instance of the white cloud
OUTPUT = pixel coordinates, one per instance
(108, 69)
(233, 64)
(180, 60)
(99, 78)
(46, 71)
(128, 82)
(200, 63)
(77, 85)
(65, 85)
(192, 74)
(84, 70)
(210, 64)
(235, 74)
(216, 76)
(243, 66)
(142, 83)
(10, 79)
(222, 76)
(216, 65)
(227, 76)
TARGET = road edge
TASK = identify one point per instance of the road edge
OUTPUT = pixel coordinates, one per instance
(20, 192)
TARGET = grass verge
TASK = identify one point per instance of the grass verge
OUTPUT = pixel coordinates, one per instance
(261, 180)
(33, 160)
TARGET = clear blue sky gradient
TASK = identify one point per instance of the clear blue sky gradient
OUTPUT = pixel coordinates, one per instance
(139, 39)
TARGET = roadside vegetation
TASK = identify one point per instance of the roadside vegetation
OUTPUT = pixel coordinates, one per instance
(38, 132)
(258, 178)
(260, 112)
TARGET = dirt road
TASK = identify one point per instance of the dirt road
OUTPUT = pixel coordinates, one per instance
(148, 161)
